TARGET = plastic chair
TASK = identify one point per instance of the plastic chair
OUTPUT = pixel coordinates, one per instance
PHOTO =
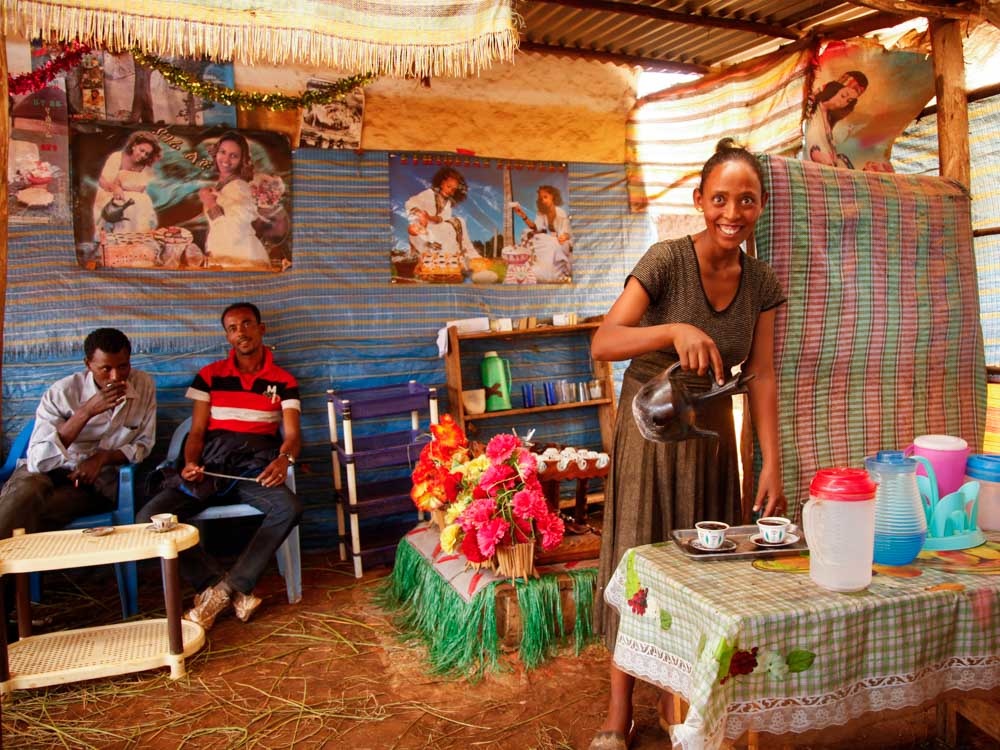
(288, 554)
(125, 573)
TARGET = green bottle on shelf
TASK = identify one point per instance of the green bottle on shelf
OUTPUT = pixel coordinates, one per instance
(496, 381)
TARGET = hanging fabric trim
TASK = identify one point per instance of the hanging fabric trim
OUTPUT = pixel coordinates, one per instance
(430, 38)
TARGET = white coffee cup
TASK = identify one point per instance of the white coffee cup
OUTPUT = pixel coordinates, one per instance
(711, 534)
(773, 529)
(163, 521)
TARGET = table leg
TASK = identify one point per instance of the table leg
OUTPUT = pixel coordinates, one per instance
(23, 603)
(172, 600)
(550, 489)
(580, 510)
(4, 665)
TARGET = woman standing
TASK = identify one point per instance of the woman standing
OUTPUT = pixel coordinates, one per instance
(121, 187)
(702, 302)
(230, 207)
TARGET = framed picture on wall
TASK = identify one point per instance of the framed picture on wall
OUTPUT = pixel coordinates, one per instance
(180, 198)
(460, 219)
(335, 124)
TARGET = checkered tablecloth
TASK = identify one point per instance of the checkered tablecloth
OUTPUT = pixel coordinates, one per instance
(697, 628)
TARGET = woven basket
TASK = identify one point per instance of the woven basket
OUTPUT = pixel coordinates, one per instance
(485, 565)
(517, 561)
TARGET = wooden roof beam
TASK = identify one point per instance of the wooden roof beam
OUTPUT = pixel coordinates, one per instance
(957, 11)
(690, 19)
(860, 26)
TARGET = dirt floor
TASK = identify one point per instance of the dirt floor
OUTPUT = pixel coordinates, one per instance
(331, 672)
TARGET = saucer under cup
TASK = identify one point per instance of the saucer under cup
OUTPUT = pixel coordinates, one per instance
(760, 542)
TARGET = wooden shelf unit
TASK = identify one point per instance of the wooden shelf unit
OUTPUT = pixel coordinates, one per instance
(513, 339)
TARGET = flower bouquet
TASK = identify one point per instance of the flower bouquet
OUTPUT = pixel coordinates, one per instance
(267, 191)
(505, 512)
(436, 477)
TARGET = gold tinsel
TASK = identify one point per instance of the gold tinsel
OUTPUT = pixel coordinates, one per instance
(249, 99)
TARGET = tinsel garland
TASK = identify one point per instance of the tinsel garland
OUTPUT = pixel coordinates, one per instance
(249, 99)
(36, 80)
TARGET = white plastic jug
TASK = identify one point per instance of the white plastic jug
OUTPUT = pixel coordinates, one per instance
(839, 524)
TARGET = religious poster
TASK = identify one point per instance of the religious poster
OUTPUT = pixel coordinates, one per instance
(85, 88)
(862, 99)
(179, 198)
(336, 124)
(135, 93)
(464, 219)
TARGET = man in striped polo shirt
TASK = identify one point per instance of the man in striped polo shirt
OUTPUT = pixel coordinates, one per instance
(239, 405)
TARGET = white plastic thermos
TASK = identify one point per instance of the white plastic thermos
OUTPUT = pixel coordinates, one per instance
(839, 524)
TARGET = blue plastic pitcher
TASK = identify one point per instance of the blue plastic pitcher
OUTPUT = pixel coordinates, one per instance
(900, 522)
(496, 381)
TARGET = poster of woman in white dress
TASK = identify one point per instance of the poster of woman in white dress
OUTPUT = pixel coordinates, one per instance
(543, 226)
(447, 219)
(862, 99)
(173, 198)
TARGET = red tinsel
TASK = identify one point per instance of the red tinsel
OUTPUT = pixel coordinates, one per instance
(28, 83)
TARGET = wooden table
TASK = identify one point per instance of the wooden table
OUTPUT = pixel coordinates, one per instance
(756, 646)
(88, 653)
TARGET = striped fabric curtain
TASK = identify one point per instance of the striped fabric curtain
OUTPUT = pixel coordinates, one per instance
(880, 339)
(672, 132)
(916, 152)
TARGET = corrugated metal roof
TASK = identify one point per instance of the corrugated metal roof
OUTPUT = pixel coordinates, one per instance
(689, 36)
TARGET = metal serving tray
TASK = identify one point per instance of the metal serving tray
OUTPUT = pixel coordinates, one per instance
(744, 550)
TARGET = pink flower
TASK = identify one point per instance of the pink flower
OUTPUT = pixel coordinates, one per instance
(551, 528)
(501, 447)
(489, 534)
(527, 464)
(477, 514)
(498, 477)
(529, 504)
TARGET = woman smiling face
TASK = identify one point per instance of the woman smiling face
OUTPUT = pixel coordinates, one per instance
(228, 159)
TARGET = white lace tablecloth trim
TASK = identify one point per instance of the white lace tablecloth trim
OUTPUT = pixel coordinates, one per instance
(805, 713)
(893, 692)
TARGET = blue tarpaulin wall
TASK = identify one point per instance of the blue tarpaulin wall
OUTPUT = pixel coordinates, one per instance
(334, 319)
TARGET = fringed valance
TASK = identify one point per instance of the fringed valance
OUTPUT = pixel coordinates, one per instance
(429, 38)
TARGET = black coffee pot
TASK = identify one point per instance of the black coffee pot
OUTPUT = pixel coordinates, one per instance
(114, 212)
(666, 412)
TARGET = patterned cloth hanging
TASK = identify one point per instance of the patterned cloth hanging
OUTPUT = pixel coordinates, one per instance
(430, 38)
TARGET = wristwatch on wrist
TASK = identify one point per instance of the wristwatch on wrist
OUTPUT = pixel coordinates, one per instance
(290, 457)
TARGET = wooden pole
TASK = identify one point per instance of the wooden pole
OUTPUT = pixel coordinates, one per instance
(4, 156)
(952, 104)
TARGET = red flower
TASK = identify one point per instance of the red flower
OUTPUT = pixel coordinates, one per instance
(470, 548)
(742, 662)
(638, 601)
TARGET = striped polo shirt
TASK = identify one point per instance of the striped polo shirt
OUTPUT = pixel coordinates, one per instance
(243, 402)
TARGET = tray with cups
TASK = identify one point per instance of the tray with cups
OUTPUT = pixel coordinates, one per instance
(713, 540)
